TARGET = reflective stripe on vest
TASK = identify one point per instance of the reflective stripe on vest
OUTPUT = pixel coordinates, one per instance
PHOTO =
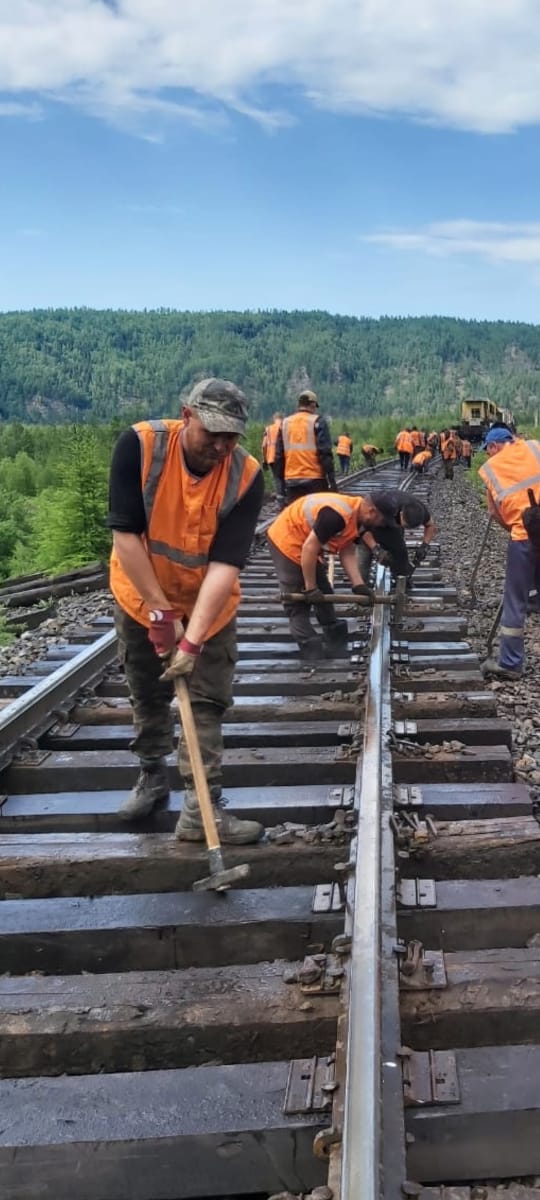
(310, 444)
(346, 510)
(500, 493)
(159, 454)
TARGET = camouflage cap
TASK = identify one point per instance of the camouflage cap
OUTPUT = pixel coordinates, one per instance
(220, 405)
(308, 397)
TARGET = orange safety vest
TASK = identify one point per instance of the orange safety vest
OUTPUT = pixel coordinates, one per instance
(300, 446)
(182, 517)
(344, 445)
(269, 442)
(507, 475)
(448, 449)
(289, 531)
(423, 457)
(370, 449)
(416, 437)
(404, 442)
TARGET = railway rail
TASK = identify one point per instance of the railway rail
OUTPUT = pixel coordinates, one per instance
(363, 1015)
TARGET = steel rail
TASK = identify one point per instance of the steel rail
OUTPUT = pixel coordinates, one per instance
(35, 708)
(361, 1160)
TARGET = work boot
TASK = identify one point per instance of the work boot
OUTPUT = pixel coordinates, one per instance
(152, 785)
(232, 831)
(492, 667)
(335, 637)
(312, 651)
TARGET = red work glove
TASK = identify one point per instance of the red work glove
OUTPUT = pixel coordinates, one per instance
(165, 631)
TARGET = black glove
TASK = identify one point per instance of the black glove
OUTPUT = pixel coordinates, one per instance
(313, 595)
(362, 589)
(419, 554)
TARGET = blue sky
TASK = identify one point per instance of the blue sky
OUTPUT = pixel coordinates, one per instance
(353, 155)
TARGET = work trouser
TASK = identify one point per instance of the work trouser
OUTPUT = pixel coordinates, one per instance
(369, 459)
(522, 573)
(404, 458)
(278, 482)
(295, 489)
(448, 468)
(392, 539)
(210, 688)
(344, 463)
(291, 579)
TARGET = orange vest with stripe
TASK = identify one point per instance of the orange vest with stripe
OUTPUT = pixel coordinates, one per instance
(270, 441)
(294, 524)
(448, 449)
(344, 445)
(507, 475)
(416, 437)
(404, 443)
(182, 517)
(422, 457)
(300, 446)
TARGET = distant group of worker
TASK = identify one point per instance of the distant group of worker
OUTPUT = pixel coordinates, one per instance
(416, 449)
(184, 503)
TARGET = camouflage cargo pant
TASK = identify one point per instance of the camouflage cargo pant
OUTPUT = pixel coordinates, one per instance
(210, 688)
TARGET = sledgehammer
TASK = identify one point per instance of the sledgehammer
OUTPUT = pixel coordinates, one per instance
(219, 878)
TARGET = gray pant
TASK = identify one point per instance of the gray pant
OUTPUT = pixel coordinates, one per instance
(291, 579)
(210, 688)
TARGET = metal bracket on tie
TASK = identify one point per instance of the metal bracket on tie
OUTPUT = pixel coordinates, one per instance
(420, 970)
(408, 796)
(405, 728)
(64, 730)
(327, 897)
(310, 1085)
(430, 1078)
(341, 797)
(403, 697)
(399, 656)
(417, 893)
(357, 660)
(348, 730)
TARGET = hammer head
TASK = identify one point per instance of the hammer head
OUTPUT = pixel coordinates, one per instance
(220, 881)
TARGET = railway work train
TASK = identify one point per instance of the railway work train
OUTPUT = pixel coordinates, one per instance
(477, 416)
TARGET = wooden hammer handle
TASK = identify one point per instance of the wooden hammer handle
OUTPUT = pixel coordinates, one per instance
(199, 774)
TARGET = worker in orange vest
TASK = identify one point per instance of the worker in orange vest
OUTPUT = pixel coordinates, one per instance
(304, 459)
(421, 461)
(466, 453)
(404, 447)
(512, 470)
(268, 448)
(344, 449)
(417, 439)
(296, 541)
(369, 454)
(432, 441)
(448, 453)
(184, 502)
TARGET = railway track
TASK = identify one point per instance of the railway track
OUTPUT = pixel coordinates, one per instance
(322, 1025)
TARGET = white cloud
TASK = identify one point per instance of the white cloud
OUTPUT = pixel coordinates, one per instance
(468, 64)
(12, 108)
(494, 241)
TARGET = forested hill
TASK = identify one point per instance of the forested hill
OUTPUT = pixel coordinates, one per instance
(84, 364)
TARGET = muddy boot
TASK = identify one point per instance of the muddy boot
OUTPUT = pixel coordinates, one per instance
(491, 667)
(312, 651)
(335, 638)
(152, 785)
(232, 831)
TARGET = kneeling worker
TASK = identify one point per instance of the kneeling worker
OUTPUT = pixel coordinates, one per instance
(184, 502)
(386, 542)
(296, 541)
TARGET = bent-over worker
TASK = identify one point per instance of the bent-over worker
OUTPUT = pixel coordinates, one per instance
(513, 468)
(386, 542)
(296, 541)
(369, 454)
(184, 502)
